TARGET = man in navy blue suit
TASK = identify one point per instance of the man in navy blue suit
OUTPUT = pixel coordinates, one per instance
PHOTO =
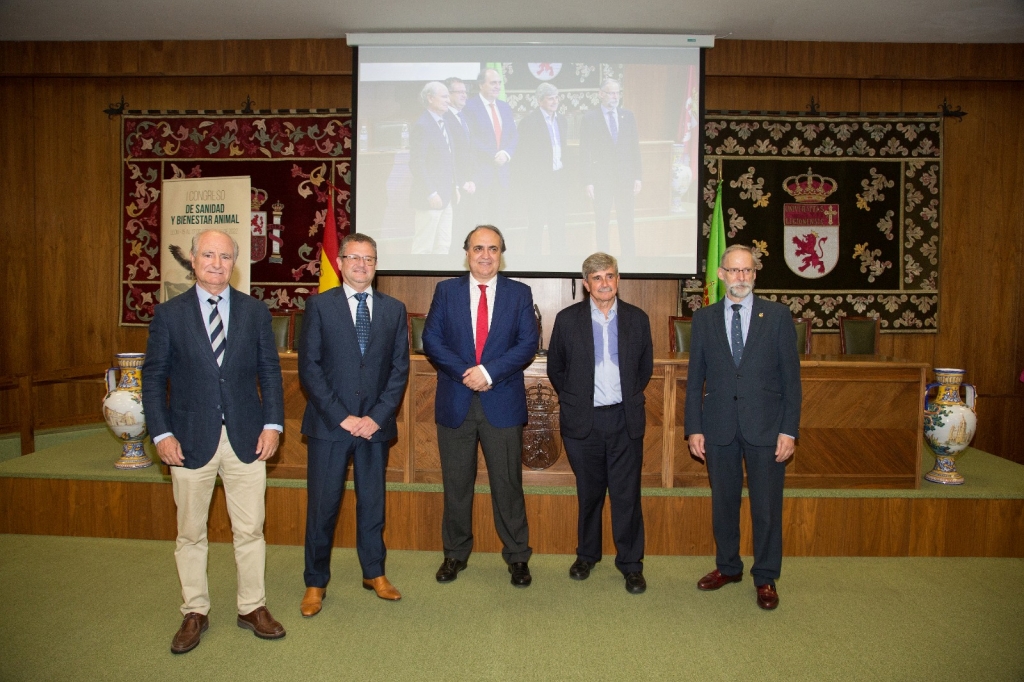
(353, 365)
(493, 138)
(214, 345)
(743, 398)
(481, 334)
(432, 149)
(610, 165)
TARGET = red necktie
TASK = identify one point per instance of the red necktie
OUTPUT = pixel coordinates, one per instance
(481, 323)
(497, 125)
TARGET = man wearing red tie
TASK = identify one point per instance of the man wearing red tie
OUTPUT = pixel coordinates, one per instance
(481, 334)
(493, 138)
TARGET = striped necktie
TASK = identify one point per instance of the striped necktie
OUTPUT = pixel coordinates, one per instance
(218, 339)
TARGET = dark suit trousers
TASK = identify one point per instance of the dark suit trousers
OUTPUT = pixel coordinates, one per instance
(619, 194)
(325, 481)
(503, 452)
(546, 206)
(765, 481)
(609, 460)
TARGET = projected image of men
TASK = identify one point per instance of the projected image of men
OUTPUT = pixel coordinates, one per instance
(610, 165)
(539, 171)
(432, 164)
(493, 139)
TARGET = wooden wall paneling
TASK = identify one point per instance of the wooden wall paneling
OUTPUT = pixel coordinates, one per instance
(763, 58)
(169, 57)
(999, 429)
(331, 92)
(17, 204)
(958, 527)
(811, 525)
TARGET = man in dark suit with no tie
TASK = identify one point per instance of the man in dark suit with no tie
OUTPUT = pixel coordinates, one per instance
(610, 165)
(539, 171)
(481, 334)
(353, 364)
(743, 406)
(214, 346)
(600, 360)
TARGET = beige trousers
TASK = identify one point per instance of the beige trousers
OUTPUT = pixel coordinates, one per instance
(245, 487)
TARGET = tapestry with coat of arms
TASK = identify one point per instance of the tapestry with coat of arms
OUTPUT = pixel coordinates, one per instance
(292, 159)
(842, 210)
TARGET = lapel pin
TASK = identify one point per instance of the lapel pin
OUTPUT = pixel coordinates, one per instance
(760, 314)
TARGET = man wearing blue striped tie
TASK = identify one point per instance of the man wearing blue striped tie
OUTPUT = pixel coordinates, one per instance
(208, 350)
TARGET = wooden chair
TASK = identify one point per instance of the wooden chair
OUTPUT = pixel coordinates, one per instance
(859, 335)
(287, 329)
(803, 335)
(416, 323)
(281, 324)
(679, 334)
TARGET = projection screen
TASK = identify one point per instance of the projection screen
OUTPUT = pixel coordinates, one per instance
(569, 143)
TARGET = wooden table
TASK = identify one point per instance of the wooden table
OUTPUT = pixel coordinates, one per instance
(861, 426)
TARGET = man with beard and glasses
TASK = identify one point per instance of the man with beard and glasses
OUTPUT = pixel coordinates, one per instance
(743, 406)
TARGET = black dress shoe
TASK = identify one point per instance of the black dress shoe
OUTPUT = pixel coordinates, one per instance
(635, 583)
(520, 571)
(580, 569)
(450, 569)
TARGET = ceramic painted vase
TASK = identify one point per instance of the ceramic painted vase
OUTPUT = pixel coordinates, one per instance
(949, 423)
(122, 410)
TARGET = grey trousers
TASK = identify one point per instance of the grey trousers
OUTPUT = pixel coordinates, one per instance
(503, 450)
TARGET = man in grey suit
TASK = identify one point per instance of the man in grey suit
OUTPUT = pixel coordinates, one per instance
(743, 405)
(353, 365)
(213, 345)
(599, 361)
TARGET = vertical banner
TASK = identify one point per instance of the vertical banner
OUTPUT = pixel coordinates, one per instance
(191, 205)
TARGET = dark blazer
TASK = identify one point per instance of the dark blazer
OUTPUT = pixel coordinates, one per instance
(760, 398)
(571, 366)
(482, 145)
(532, 169)
(511, 346)
(201, 393)
(338, 380)
(604, 163)
(431, 161)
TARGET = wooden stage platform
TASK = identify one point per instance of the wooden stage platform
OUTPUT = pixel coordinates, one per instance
(74, 490)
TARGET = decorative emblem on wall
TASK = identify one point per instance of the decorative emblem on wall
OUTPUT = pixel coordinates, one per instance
(810, 227)
(277, 243)
(540, 436)
(258, 225)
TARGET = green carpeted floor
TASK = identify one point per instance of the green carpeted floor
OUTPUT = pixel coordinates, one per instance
(102, 609)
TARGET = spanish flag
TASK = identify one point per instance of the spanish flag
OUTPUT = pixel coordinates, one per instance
(329, 276)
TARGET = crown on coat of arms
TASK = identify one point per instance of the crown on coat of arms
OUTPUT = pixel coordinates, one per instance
(258, 197)
(809, 187)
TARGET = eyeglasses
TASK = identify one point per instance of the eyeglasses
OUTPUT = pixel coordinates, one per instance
(353, 258)
(735, 271)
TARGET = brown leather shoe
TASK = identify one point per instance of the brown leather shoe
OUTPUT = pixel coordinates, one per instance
(187, 636)
(714, 580)
(312, 601)
(767, 597)
(383, 588)
(262, 624)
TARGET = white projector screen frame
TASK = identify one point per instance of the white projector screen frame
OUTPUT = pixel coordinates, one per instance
(661, 83)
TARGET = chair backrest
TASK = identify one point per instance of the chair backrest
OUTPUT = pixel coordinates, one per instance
(280, 325)
(803, 335)
(858, 335)
(416, 323)
(298, 317)
(679, 334)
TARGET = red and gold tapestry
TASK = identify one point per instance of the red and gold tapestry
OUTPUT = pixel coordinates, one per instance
(292, 160)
